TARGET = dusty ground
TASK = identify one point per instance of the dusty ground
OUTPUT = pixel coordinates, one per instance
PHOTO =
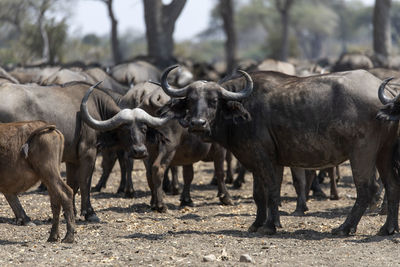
(131, 234)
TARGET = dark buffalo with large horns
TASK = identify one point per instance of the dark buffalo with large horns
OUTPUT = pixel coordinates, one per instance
(306, 122)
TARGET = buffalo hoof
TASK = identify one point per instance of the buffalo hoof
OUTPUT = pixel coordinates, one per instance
(229, 179)
(340, 231)
(25, 222)
(319, 194)
(129, 194)
(266, 230)
(95, 189)
(237, 184)
(159, 208)
(175, 191)
(387, 230)
(69, 238)
(278, 224)
(253, 228)
(214, 181)
(53, 238)
(92, 218)
(334, 197)
(226, 200)
(298, 213)
(120, 191)
(187, 203)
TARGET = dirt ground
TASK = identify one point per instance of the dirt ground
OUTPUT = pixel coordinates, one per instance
(131, 234)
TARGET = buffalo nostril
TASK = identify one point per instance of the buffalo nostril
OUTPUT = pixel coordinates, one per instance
(198, 122)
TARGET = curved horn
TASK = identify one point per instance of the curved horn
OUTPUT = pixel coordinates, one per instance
(155, 122)
(124, 116)
(382, 97)
(167, 89)
(228, 95)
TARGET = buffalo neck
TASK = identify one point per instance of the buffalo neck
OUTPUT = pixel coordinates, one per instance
(105, 105)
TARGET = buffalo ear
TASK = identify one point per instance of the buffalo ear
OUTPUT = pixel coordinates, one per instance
(233, 110)
(154, 136)
(389, 112)
(175, 106)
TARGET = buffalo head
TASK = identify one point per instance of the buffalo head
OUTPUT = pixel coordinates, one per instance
(198, 104)
(130, 126)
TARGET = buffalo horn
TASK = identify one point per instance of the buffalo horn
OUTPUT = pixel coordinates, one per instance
(167, 89)
(228, 95)
(382, 97)
(155, 122)
(122, 117)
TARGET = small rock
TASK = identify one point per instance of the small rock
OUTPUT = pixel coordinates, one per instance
(245, 258)
(224, 255)
(209, 258)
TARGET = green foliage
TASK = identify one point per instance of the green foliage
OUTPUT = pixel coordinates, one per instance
(32, 42)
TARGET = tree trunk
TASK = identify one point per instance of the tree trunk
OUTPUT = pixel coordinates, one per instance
(160, 25)
(116, 52)
(382, 38)
(283, 7)
(227, 13)
(45, 38)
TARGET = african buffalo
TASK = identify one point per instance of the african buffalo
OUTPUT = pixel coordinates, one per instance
(169, 144)
(31, 152)
(352, 61)
(270, 120)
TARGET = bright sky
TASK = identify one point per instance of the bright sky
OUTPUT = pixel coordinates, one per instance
(90, 16)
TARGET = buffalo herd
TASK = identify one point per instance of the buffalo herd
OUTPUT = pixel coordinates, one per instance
(269, 115)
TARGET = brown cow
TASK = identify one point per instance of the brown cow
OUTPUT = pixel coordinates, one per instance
(32, 152)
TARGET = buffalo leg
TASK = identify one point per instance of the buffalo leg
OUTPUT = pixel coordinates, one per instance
(171, 186)
(186, 200)
(156, 175)
(126, 166)
(260, 196)
(107, 164)
(299, 182)
(174, 180)
(61, 195)
(83, 179)
(274, 201)
(72, 174)
(334, 193)
(363, 169)
(240, 177)
(392, 189)
(19, 212)
(122, 165)
(229, 172)
(219, 157)
(315, 186)
(55, 208)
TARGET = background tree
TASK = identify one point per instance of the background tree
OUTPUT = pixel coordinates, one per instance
(284, 6)
(382, 32)
(114, 41)
(227, 14)
(160, 25)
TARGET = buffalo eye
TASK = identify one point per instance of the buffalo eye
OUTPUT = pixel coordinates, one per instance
(213, 102)
(143, 129)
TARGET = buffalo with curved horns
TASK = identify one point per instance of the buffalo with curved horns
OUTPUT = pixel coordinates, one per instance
(305, 122)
